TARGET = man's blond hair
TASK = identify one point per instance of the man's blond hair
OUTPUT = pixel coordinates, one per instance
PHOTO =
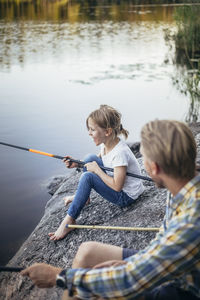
(171, 145)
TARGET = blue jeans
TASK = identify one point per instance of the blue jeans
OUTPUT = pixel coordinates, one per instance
(89, 181)
(162, 292)
(169, 292)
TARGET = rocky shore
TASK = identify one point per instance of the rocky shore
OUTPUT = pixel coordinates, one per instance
(147, 211)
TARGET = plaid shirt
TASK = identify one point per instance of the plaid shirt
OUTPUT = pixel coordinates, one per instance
(173, 256)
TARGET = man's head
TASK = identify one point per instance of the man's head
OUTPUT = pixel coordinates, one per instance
(168, 146)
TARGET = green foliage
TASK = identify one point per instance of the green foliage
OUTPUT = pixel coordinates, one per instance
(187, 56)
(187, 39)
(192, 84)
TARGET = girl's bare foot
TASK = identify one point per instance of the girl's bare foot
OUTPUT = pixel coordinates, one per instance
(62, 231)
(69, 199)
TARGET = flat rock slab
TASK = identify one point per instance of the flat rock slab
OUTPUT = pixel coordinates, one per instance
(147, 211)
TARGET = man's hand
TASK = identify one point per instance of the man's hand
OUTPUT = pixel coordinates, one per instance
(110, 263)
(42, 275)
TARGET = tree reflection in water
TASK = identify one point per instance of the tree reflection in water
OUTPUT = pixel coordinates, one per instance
(187, 56)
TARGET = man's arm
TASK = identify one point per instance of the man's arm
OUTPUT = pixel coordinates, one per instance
(174, 254)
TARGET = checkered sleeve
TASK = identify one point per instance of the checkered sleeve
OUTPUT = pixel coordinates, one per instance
(174, 254)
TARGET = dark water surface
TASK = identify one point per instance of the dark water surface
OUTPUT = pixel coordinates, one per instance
(58, 62)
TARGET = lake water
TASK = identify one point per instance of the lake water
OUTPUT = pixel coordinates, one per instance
(58, 62)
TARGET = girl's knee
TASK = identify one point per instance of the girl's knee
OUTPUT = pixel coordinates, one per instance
(90, 158)
(86, 177)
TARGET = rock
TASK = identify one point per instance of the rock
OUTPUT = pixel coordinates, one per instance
(135, 147)
(54, 183)
(147, 211)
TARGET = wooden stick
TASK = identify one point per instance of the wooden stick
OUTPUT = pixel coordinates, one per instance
(113, 227)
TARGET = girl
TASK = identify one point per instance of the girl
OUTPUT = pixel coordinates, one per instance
(104, 126)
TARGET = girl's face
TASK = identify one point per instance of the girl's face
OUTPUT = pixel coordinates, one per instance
(98, 134)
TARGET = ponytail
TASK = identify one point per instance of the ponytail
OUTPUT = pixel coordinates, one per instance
(123, 131)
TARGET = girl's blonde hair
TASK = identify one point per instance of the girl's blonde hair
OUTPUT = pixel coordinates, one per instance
(171, 145)
(108, 117)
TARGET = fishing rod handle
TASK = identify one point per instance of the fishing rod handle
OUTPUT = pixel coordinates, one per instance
(10, 269)
(79, 162)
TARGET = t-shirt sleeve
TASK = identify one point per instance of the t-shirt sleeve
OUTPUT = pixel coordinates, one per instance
(120, 159)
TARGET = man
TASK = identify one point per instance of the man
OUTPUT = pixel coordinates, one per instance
(170, 265)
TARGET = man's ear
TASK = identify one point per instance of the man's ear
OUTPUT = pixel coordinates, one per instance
(155, 169)
(108, 131)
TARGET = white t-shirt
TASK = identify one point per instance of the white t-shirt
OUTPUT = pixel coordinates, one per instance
(121, 155)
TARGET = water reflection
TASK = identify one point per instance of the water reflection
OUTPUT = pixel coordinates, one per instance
(59, 61)
(29, 28)
(82, 11)
(34, 40)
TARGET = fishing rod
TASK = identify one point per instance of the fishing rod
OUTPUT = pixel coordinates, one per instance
(79, 162)
(112, 227)
(10, 269)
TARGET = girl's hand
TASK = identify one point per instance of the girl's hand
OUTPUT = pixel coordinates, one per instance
(110, 263)
(92, 167)
(69, 164)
